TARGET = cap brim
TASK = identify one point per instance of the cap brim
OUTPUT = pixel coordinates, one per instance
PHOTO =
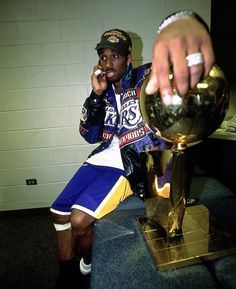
(112, 47)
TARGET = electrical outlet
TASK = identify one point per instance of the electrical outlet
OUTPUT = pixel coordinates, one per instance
(31, 182)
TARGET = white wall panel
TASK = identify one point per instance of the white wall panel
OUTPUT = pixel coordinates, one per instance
(47, 53)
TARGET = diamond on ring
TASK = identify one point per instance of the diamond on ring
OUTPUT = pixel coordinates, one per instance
(194, 59)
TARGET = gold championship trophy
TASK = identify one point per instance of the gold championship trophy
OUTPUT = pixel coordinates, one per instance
(176, 234)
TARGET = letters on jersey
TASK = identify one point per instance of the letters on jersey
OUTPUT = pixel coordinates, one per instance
(131, 126)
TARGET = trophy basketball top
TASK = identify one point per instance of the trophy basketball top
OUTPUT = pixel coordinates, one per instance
(190, 118)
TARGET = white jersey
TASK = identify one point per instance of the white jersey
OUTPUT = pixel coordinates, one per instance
(111, 155)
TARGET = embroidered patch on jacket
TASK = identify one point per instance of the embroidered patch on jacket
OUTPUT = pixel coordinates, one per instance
(82, 130)
(84, 114)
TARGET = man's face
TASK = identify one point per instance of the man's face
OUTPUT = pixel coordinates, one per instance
(113, 64)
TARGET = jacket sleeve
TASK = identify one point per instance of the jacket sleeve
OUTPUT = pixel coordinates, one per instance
(92, 118)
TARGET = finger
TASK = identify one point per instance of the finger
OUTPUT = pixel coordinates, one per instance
(201, 69)
(209, 57)
(152, 85)
(196, 73)
(97, 72)
(195, 62)
(98, 75)
(180, 69)
(160, 73)
(96, 69)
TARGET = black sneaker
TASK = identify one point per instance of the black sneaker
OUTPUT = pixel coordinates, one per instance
(85, 281)
(72, 281)
(70, 276)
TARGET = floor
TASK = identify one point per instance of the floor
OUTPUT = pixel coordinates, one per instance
(28, 257)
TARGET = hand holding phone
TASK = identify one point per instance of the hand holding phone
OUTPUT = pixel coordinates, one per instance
(98, 79)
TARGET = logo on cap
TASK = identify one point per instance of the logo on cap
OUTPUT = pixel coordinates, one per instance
(113, 39)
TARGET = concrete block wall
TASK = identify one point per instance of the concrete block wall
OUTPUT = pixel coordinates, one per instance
(46, 58)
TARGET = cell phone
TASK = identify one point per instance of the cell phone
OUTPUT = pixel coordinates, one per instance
(98, 71)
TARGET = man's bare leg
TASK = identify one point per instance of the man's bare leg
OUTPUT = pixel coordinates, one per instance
(72, 231)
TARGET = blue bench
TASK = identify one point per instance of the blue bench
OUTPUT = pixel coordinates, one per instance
(121, 259)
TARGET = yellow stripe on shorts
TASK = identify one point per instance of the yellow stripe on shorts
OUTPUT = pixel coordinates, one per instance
(117, 194)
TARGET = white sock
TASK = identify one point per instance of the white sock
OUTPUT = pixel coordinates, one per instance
(84, 268)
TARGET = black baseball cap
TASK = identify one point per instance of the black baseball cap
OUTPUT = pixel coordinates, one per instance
(117, 40)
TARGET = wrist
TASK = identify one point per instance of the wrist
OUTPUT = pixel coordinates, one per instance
(180, 15)
(95, 98)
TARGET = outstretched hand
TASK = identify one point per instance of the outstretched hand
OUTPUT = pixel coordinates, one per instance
(175, 42)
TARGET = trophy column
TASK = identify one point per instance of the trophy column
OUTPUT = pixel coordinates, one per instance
(168, 176)
(178, 235)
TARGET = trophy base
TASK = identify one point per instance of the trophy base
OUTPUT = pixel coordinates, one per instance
(203, 237)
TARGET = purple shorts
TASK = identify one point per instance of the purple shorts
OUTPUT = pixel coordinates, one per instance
(95, 190)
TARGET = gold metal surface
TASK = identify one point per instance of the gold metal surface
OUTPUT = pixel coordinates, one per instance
(167, 164)
(203, 237)
(177, 235)
(192, 117)
(182, 123)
